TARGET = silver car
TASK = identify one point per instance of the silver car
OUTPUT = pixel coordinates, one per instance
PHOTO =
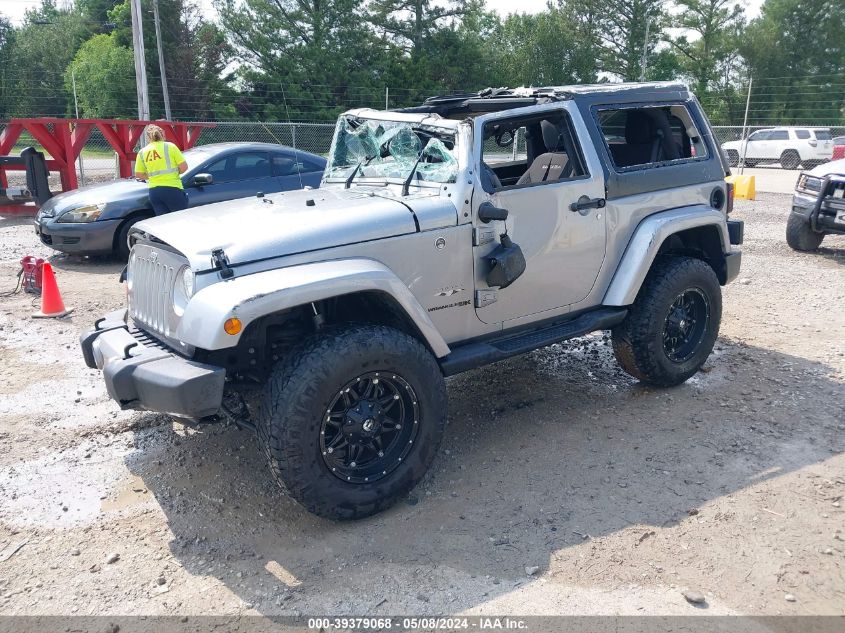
(443, 238)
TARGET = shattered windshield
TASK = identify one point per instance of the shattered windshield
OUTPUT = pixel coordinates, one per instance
(365, 148)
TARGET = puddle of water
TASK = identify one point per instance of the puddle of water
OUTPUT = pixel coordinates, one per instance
(132, 492)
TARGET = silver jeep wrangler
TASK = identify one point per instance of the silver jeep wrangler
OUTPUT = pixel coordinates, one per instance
(443, 237)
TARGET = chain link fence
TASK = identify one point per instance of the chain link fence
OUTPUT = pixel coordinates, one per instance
(98, 162)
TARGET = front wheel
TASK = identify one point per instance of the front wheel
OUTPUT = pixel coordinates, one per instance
(352, 419)
(800, 236)
(672, 326)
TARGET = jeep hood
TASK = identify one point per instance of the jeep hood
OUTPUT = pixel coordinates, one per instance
(279, 224)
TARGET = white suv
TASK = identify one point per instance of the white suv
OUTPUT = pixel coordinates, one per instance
(790, 146)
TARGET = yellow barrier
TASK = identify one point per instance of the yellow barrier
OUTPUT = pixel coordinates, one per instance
(744, 186)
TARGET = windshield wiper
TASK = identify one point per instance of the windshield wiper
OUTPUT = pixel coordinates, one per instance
(407, 186)
(361, 163)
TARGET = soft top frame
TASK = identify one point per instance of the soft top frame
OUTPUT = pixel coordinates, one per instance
(500, 99)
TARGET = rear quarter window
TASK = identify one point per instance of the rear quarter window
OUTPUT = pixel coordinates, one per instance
(823, 135)
(649, 136)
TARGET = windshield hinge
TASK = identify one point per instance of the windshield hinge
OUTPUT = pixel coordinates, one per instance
(221, 261)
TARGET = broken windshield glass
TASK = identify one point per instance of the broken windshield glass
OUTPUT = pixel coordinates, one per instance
(390, 149)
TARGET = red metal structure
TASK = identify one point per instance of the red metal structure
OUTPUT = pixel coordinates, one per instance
(63, 140)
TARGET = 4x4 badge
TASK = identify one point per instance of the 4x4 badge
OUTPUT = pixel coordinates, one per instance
(448, 292)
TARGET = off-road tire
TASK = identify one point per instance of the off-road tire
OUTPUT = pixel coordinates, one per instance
(638, 341)
(790, 159)
(800, 236)
(296, 397)
(733, 157)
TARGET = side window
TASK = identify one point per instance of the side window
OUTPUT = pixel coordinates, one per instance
(288, 165)
(762, 135)
(531, 150)
(237, 167)
(779, 135)
(822, 135)
(284, 165)
(802, 134)
(650, 136)
(250, 165)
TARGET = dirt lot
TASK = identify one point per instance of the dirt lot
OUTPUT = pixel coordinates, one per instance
(621, 496)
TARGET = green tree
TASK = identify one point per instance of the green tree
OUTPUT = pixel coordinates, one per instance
(7, 43)
(543, 49)
(308, 59)
(42, 49)
(709, 40)
(410, 24)
(795, 51)
(105, 78)
(623, 27)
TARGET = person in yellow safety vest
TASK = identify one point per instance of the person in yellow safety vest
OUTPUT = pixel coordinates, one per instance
(160, 163)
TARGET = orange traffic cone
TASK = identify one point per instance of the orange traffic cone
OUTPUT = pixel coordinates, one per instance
(51, 299)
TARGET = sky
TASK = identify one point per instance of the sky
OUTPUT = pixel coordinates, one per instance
(15, 9)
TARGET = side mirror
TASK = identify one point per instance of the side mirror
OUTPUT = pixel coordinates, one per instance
(202, 179)
(487, 212)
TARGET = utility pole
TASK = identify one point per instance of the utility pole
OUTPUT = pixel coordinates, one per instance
(140, 61)
(644, 60)
(76, 109)
(161, 62)
(745, 127)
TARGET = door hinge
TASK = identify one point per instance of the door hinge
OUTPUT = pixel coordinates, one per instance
(483, 235)
(485, 298)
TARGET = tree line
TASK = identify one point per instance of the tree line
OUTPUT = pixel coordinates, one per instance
(279, 60)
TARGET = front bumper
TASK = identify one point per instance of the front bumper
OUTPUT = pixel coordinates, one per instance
(821, 210)
(89, 237)
(142, 374)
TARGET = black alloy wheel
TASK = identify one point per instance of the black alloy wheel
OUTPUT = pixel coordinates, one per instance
(686, 325)
(369, 427)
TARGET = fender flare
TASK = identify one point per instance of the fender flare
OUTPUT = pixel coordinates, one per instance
(646, 241)
(251, 297)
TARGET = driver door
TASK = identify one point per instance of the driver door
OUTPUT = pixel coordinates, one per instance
(563, 248)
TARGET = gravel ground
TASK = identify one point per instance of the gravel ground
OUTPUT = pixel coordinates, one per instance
(563, 486)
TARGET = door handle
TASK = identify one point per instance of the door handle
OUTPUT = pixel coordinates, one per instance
(585, 203)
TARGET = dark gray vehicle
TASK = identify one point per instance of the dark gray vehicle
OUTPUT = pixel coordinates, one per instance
(95, 220)
(818, 206)
(442, 238)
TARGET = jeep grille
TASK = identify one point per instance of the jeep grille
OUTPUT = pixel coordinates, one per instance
(153, 271)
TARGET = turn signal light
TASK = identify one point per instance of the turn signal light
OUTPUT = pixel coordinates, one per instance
(233, 326)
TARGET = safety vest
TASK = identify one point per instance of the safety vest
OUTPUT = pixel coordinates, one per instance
(160, 161)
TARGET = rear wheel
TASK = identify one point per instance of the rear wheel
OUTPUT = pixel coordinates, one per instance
(790, 159)
(672, 326)
(800, 236)
(351, 420)
(733, 157)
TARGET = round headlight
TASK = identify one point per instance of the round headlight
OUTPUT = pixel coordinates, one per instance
(186, 278)
(183, 290)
